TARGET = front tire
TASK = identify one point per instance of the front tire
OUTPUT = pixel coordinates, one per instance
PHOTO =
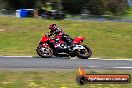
(84, 53)
(44, 52)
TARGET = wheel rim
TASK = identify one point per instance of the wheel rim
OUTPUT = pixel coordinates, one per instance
(85, 52)
(45, 51)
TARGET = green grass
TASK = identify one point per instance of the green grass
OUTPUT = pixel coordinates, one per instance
(106, 39)
(50, 79)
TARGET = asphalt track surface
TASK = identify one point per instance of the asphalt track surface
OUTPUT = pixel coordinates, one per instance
(37, 63)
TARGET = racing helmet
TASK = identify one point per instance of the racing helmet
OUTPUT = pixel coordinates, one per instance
(54, 28)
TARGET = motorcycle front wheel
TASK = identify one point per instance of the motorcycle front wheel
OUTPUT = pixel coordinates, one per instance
(44, 52)
(84, 53)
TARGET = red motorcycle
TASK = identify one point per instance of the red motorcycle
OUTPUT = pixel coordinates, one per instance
(58, 47)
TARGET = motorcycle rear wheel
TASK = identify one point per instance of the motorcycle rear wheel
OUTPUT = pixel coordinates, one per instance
(44, 54)
(81, 53)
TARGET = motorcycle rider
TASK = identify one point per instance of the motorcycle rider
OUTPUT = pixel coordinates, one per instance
(56, 31)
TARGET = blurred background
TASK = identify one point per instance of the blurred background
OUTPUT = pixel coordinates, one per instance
(70, 9)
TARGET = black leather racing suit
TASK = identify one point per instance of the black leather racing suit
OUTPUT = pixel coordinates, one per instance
(58, 32)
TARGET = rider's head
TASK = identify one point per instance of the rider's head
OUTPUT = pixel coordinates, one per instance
(54, 28)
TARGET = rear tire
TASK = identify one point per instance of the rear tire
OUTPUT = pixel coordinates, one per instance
(87, 51)
(44, 54)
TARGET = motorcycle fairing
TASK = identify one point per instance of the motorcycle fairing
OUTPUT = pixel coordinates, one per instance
(44, 39)
(78, 40)
(78, 47)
